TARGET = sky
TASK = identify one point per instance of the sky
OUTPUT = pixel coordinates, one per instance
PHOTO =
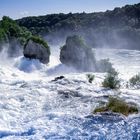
(22, 8)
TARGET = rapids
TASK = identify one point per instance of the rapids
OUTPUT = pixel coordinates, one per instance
(34, 106)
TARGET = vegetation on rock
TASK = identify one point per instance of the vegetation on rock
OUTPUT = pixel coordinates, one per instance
(76, 41)
(77, 54)
(117, 105)
(40, 41)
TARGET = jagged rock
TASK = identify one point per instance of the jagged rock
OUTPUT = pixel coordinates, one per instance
(58, 78)
(75, 53)
(35, 50)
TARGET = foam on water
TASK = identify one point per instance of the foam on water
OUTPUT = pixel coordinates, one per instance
(35, 106)
(127, 62)
(27, 65)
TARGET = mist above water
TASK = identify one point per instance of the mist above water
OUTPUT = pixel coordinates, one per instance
(127, 62)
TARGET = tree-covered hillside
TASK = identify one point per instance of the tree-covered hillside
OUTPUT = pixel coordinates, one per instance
(119, 27)
(15, 39)
(10, 29)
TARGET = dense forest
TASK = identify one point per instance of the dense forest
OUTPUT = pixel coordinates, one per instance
(119, 28)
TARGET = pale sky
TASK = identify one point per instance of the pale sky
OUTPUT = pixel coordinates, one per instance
(22, 8)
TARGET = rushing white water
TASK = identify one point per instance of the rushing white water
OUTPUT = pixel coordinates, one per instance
(35, 107)
(127, 62)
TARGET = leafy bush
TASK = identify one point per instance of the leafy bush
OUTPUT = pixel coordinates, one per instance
(24, 35)
(10, 27)
(118, 106)
(76, 40)
(111, 80)
(9, 30)
(135, 80)
(3, 36)
(90, 77)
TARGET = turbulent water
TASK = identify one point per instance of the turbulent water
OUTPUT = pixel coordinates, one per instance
(127, 62)
(34, 106)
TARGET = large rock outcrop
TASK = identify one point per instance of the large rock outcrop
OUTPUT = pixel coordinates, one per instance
(76, 54)
(35, 49)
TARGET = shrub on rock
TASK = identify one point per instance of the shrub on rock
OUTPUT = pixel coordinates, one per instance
(117, 105)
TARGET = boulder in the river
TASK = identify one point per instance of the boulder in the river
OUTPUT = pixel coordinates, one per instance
(36, 48)
(75, 53)
(58, 78)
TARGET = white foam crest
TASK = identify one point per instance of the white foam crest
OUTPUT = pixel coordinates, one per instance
(28, 65)
(35, 107)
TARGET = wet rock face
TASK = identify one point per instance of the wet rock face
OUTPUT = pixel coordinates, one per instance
(36, 51)
(75, 53)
